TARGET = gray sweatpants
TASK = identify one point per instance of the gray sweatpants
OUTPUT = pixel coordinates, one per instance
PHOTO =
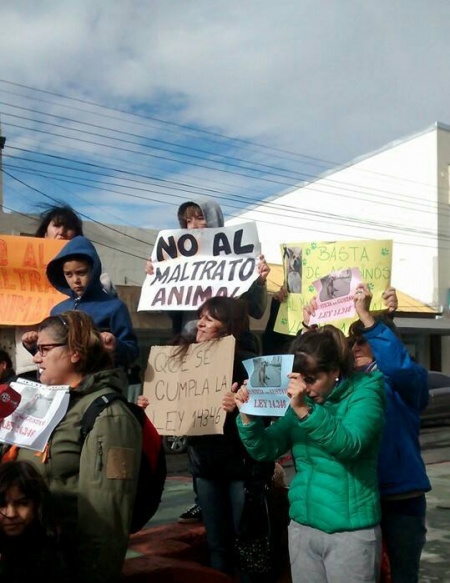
(342, 557)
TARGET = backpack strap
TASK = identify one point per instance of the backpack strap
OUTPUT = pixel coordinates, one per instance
(94, 410)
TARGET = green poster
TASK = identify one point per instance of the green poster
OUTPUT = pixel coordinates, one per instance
(304, 263)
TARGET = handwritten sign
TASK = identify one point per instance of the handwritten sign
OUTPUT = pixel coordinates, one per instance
(192, 265)
(185, 393)
(41, 408)
(26, 295)
(267, 384)
(373, 258)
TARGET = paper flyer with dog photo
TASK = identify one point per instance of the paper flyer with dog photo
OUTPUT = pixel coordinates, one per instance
(335, 294)
(40, 409)
(267, 384)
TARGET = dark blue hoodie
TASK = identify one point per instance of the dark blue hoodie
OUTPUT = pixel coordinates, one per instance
(401, 469)
(109, 313)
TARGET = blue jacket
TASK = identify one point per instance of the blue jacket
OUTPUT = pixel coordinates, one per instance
(108, 312)
(401, 468)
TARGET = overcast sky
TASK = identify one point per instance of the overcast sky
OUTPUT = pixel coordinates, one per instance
(127, 108)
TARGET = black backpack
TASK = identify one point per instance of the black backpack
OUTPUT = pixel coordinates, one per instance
(153, 468)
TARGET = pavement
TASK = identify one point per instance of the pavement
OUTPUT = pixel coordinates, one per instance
(435, 564)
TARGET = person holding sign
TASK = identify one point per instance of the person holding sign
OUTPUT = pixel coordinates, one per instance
(202, 214)
(59, 222)
(30, 546)
(333, 427)
(94, 482)
(75, 272)
(403, 480)
(220, 464)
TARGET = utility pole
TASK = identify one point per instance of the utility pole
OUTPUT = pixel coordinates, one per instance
(2, 145)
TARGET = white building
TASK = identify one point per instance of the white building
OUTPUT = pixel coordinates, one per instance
(400, 192)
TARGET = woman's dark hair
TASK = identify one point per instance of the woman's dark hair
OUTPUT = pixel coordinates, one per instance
(25, 476)
(324, 349)
(63, 216)
(76, 329)
(356, 328)
(4, 357)
(186, 211)
(230, 312)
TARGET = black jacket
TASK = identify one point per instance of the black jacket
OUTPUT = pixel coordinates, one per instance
(223, 457)
(32, 556)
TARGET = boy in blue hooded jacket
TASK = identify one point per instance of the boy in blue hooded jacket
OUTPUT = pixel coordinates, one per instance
(75, 272)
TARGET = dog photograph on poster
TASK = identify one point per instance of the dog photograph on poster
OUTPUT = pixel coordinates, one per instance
(335, 285)
(266, 372)
(292, 265)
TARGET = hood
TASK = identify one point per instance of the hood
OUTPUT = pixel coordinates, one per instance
(103, 382)
(112, 380)
(80, 247)
(210, 208)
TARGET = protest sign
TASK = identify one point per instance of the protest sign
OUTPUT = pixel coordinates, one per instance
(196, 264)
(185, 393)
(26, 295)
(40, 409)
(335, 296)
(267, 384)
(314, 260)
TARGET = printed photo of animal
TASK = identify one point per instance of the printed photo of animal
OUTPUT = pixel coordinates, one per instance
(335, 285)
(266, 372)
(262, 374)
(292, 262)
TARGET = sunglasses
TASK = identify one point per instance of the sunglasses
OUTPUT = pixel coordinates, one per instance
(358, 341)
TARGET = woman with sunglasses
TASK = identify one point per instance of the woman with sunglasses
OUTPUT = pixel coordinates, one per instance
(93, 483)
(403, 480)
(333, 427)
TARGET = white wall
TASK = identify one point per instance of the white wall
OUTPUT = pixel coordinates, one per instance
(392, 194)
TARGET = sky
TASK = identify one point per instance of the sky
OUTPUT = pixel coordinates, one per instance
(126, 109)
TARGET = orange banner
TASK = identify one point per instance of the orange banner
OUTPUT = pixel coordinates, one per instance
(26, 295)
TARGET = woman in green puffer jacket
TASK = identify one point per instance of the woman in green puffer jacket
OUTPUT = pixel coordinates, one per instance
(333, 428)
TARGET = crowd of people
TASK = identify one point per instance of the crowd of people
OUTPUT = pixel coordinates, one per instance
(352, 429)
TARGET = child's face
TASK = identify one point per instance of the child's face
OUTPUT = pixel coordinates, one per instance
(17, 513)
(77, 274)
(194, 218)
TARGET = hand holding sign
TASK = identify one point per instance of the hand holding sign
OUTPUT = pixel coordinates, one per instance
(189, 266)
(186, 395)
(267, 385)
